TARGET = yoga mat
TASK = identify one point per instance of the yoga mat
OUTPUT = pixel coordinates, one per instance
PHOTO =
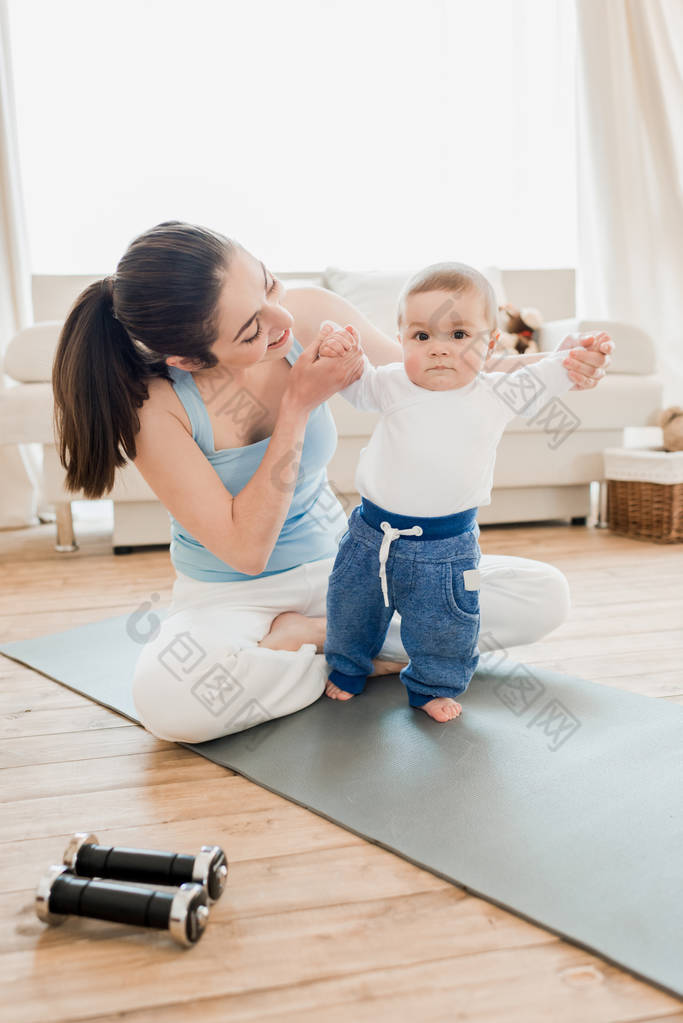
(553, 797)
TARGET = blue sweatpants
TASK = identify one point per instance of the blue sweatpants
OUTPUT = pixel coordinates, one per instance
(419, 574)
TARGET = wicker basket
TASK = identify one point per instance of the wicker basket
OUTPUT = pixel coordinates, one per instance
(645, 493)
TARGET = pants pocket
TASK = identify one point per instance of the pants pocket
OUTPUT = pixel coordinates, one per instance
(462, 602)
(347, 545)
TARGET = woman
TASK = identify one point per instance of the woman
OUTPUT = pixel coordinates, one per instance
(193, 362)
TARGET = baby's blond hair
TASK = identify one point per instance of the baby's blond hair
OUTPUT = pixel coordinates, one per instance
(455, 277)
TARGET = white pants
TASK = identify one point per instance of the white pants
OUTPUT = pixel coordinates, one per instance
(201, 674)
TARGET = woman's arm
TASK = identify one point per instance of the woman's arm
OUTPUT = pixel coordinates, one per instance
(509, 363)
(241, 529)
(310, 306)
(588, 356)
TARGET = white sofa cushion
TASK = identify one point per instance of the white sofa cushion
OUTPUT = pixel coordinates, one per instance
(31, 352)
(634, 350)
(376, 293)
(26, 414)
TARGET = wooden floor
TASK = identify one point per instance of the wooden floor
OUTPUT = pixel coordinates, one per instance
(316, 923)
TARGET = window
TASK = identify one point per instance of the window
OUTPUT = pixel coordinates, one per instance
(367, 134)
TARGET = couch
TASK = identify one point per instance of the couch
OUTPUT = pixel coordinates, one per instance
(544, 467)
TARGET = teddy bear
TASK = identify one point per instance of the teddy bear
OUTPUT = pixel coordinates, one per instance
(671, 421)
(517, 327)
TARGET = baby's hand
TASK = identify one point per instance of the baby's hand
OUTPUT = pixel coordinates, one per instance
(339, 342)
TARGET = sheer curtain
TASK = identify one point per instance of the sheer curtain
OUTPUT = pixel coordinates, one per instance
(20, 464)
(630, 160)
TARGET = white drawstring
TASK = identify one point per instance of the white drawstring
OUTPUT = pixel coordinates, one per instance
(391, 534)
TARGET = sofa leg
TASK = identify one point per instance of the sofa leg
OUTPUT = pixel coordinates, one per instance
(66, 540)
(601, 522)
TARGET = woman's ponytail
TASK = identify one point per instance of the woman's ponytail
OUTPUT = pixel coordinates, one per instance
(98, 382)
(162, 301)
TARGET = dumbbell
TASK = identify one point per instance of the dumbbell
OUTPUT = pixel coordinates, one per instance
(184, 913)
(85, 858)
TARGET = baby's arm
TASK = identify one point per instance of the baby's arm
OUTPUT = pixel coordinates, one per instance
(364, 393)
(586, 356)
(526, 391)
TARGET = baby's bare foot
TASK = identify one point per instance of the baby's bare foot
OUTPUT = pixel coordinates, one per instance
(442, 708)
(336, 693)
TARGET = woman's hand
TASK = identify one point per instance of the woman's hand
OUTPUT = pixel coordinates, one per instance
(588, 355)
(312, 380)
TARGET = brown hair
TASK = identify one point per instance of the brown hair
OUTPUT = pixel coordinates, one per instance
(455, 277)
(162, 300)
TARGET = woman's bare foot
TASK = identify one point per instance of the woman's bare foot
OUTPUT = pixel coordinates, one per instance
(289, 630)
(335, 693)
(379, 667)
(442, 708)
(387, 667)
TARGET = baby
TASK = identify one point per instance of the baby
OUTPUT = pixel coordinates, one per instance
(412, 543)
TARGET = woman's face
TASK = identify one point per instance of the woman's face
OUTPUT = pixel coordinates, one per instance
(253, 326)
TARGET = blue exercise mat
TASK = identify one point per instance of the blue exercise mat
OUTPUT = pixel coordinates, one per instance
(553, 797)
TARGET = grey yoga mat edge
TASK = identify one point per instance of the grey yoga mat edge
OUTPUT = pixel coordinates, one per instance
(476, 753)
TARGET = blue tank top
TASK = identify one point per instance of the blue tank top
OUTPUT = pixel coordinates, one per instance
(315, 519)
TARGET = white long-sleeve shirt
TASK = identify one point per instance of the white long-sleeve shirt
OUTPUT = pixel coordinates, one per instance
(433, 452)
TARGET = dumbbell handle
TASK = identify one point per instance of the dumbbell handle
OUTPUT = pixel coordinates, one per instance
(183, 913)
(86, 858)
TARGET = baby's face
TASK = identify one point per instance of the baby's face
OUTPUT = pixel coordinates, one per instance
(445, 339)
